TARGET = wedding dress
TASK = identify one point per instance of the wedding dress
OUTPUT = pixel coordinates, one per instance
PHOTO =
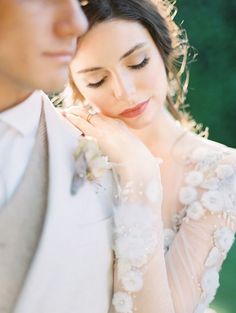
(175, 269)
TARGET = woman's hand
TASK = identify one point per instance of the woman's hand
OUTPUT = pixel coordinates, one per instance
(112, 135)
(131, 159)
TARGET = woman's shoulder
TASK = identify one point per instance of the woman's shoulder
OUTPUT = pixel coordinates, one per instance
(209, 182)
(207, 154)
(210, 169)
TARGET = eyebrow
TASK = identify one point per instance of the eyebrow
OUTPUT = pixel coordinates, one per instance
(136, 47)
(129, 52)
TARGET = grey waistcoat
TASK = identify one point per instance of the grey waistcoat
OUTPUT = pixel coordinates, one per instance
(21, 223)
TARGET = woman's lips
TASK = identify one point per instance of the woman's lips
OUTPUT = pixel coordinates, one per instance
(135, 111)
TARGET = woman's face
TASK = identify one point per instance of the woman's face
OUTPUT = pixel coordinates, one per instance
(119, 69)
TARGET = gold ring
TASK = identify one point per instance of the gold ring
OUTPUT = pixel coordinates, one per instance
(89, 117)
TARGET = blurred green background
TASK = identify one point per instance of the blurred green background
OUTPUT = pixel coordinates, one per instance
(211, 28)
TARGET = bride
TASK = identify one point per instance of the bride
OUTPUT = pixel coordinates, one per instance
(131, 68)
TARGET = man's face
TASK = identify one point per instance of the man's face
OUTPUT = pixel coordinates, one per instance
(37, 42)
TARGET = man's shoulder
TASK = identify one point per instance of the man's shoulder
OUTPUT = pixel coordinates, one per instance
(56, 121)
(62, 136)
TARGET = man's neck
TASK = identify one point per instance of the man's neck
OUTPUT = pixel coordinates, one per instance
(10, 97)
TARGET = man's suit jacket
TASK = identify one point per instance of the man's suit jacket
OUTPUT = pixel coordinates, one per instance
(72, 268)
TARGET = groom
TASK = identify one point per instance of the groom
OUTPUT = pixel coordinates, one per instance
(55, 251)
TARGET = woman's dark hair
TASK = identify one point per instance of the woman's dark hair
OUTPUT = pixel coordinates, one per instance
(157, 17)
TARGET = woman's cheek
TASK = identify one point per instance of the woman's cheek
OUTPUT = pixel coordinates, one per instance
(101, 101)
(91, 96)
(151, 76)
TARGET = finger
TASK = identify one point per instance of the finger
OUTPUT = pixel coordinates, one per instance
(81, 124)
(75, 109)
(98, 120)
(93, 118)
(78, 110)
(83, 112)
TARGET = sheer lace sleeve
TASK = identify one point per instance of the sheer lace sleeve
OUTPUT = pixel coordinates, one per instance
(183, 277)
(138, 247)
(205, 230)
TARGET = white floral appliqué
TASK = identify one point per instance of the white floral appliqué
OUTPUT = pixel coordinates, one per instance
(213, 201)
(194, 178)
(135, 239)
(211, 183)
(132, 281)
(90, 164)
(213, 257)
(210, 283)
(195, 210)
(187, 195)
(122, 302)
(224, 171)
(135, 234)
(216, 194)
(223, 238)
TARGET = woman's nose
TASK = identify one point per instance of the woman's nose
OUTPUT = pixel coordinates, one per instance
(123, 87)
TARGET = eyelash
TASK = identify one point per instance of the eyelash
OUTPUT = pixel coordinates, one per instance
(98, 84)
(140, 65)
(133, 67)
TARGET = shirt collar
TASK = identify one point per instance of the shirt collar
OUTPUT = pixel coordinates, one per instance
(24, 117)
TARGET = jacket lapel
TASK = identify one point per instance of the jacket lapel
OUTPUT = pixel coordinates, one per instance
(72, 223)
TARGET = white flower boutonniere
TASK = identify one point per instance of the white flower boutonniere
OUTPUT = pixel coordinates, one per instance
(90, 163)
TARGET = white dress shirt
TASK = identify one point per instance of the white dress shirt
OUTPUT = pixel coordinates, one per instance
(18, 127)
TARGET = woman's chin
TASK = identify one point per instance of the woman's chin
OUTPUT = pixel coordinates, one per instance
(139, 123)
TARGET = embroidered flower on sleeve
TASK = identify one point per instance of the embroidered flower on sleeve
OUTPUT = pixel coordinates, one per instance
(230, 202)
(132, 281)
(122, 302)
(210, 283)
(131, 216)
(135, 235)
(223, 239)
(132, 249)
(195, 210)
(219, 197)
(187, 195)
(123, 266)
(135, 239)
(224, 171)
(213, 257)
(205, 157)
(200, 308)
(136, 245)
(211, 183)
(194, 178)
(213, 201)
(199, 154)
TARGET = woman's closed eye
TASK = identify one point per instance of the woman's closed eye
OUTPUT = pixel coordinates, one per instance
(140, 65)
(137, 66)
(96, 84)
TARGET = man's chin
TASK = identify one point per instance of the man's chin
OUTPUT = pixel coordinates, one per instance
(54, 79)
(55, 85)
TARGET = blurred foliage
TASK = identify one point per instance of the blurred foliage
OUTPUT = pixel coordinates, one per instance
(211, 28)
